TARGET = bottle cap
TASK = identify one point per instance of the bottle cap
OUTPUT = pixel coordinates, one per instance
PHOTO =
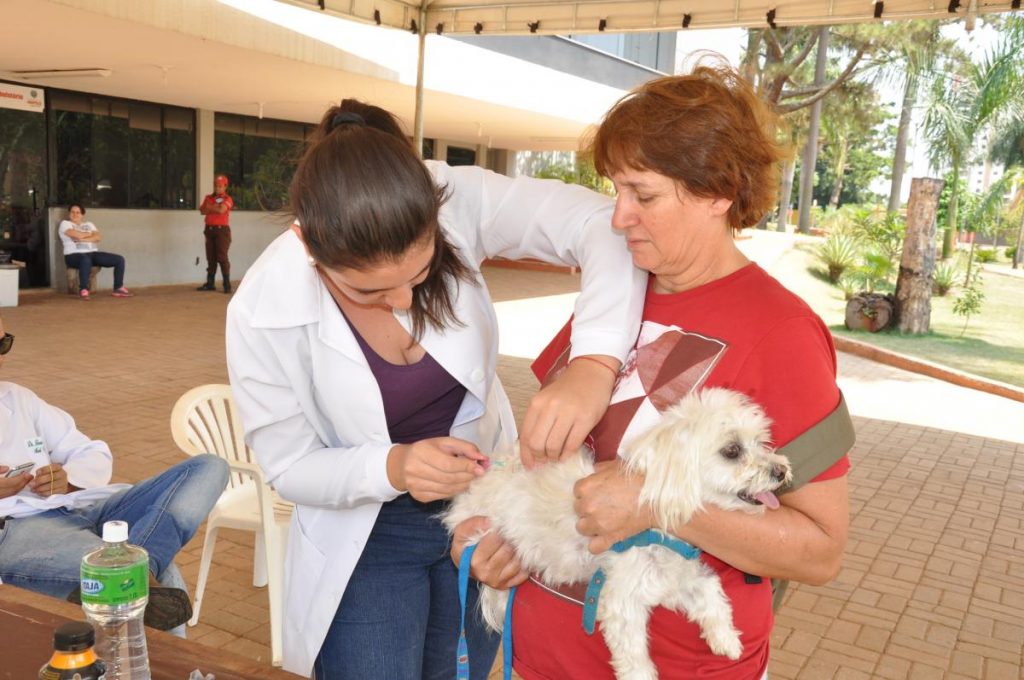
(115, 532)
(74, 636)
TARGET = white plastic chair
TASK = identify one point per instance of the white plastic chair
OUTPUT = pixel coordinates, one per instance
(205, 420)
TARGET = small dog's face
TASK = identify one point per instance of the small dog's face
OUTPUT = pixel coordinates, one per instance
(712, 447)
(743, 472)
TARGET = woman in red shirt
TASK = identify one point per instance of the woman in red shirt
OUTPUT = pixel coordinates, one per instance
(694, 160)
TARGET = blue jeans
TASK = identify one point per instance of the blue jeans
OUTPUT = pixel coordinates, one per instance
(84, 262)
(44, 552)
(399, 617)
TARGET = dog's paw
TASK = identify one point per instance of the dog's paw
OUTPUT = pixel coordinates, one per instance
(725, 643)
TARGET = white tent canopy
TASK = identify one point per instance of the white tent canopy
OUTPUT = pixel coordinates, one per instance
(486, 17)
(489, 17)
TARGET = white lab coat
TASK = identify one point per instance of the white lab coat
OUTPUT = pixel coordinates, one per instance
(32, 431)
(312, 410)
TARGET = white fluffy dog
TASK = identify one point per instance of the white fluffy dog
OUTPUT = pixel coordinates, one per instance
(712, 447)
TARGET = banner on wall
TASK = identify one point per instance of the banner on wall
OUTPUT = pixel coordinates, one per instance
(21, 98)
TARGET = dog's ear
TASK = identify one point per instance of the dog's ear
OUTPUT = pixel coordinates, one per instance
(670, 463)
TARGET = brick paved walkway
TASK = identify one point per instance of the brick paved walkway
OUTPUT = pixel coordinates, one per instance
(933, 580)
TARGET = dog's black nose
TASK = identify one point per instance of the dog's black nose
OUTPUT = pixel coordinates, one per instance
(778, 472)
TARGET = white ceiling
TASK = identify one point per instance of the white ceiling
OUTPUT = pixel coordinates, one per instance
(205, 54)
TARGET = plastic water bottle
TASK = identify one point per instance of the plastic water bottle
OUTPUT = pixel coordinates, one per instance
(115, 590)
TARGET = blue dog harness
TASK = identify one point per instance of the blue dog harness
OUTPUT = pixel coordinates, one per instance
(641, 540)
(597, 581)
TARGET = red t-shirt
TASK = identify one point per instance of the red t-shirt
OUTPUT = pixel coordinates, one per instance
(744, 332)
(218, 219)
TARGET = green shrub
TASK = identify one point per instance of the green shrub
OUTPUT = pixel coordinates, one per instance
(944, 277)
(986, 255)
(882, 232)
(969, 303)
(874, 272)
(1010, 252)
(838, 222)
(837, 253)
(849, 285)
(581, 172)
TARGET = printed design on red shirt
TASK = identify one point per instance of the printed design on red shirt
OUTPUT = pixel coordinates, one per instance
(667, 364)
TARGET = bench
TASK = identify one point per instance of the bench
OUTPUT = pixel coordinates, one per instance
(72, 280)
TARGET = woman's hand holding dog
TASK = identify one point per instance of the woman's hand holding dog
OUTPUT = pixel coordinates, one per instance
(563, 413)
(607, 504)
(494, 562)
(432, 469)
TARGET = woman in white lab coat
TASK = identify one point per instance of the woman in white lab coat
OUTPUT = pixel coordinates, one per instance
(361, 349)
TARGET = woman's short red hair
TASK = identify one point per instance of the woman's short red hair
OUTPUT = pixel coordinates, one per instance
(707, 130)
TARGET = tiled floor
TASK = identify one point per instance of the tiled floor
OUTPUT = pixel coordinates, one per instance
(933, 582)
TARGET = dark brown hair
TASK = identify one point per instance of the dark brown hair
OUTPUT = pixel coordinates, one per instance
(362, 197)
(707, 130)
(77, 205)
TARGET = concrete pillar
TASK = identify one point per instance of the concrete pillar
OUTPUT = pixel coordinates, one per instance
(440, 150)
(204, 154)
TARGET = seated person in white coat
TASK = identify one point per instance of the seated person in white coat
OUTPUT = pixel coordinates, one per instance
(361, 349)
(81, 241)
(55, 495)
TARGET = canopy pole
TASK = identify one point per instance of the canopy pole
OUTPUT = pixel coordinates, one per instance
(417, 135)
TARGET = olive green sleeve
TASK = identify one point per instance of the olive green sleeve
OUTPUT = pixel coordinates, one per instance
(810, 454)
(820, 447)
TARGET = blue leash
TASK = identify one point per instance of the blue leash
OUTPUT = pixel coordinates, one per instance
(462, 654)
(641, 540)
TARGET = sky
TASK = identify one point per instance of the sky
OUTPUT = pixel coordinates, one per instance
(726, 41)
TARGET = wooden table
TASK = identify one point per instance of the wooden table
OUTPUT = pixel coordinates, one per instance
(27, 622)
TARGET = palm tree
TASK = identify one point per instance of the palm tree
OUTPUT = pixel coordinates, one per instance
(1008, 143)
(982, 94)
(985, 211)
(917, 48)
(1008, 149)
(1018, 204)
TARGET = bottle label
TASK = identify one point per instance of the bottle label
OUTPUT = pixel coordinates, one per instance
(114, 585)
(59, 669)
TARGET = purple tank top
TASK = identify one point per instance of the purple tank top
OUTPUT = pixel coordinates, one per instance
(421, 400)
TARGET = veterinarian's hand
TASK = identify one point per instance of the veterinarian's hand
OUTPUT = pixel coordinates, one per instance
(563, 413)
(10, 486)
(607, 504)
(432, 469)
(494, 562)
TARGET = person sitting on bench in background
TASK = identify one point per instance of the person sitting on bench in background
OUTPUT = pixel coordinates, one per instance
(81, 251)
(52, 512)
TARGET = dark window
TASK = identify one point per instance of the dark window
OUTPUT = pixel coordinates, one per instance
(23, 228)
(458, 155)
(122, 154)
(259, 157)
(428, 149)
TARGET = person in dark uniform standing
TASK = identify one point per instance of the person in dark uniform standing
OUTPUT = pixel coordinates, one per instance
(216, 208)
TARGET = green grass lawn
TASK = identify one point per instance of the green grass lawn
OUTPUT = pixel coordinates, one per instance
(992, 346)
